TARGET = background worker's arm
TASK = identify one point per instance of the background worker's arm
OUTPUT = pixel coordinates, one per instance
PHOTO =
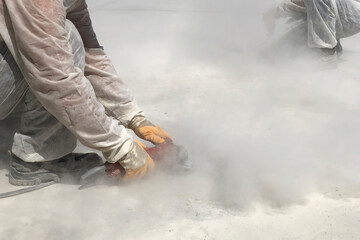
(289, 8)
(36, 28)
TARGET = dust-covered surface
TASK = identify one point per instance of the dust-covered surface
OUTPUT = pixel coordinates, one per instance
(274, 143)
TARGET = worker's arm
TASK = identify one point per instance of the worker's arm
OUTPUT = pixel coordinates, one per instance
(45, 59)
(110, 90)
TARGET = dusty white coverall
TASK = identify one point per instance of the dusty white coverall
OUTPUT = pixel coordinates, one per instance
(326, 20)
(44, 65)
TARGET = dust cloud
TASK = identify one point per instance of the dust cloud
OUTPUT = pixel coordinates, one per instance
(262, 125)
(261, 128)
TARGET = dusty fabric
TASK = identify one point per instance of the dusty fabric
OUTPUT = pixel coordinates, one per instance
(41, 137)
(330, 20)
(326, 21)
(34, 32)
(110, 90)
(12, 83)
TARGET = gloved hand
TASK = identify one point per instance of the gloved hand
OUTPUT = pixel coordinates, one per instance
(144, 129)
(137, 163)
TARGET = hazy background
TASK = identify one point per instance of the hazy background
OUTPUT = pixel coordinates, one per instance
(256, 131)
(259, 132)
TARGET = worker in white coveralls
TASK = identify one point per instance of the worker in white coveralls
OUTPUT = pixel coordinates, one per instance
(57, 78)
(323, 23)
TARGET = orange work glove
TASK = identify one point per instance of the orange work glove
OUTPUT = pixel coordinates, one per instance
(144, 129)
(137, 163)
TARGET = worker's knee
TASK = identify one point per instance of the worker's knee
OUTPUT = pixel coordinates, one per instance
(76, 43)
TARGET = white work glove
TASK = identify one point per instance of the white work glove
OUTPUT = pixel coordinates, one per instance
(137, 163)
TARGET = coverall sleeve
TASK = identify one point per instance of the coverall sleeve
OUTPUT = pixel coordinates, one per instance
(110, 90)
(37, 29)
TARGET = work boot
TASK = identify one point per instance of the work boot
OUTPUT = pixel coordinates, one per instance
(27, 174)
(339, 48)
(328, 58)
(67, 169)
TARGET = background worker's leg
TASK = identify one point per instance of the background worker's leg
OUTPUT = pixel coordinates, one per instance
(41, 136)
(322, 20)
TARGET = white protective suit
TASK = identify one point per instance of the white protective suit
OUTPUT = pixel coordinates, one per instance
(78, 86)
(326, 21)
